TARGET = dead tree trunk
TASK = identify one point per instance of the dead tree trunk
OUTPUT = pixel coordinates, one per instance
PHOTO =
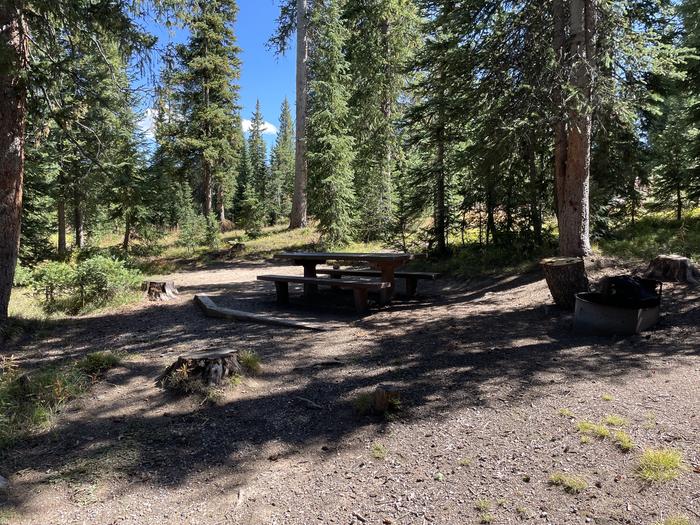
(566, 276)
(13, 107)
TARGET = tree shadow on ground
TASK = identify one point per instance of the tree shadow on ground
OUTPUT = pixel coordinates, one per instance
(443, 358)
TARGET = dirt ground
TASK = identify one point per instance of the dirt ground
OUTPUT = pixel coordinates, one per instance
(483, 368)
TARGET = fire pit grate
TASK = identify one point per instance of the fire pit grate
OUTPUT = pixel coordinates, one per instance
(626, 305)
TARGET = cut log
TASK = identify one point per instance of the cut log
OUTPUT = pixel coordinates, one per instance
(566, 276)
(212, 310)
(201, 368)
(673, 268)
(159, 290)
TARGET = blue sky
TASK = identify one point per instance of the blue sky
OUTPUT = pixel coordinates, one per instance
(263, 74)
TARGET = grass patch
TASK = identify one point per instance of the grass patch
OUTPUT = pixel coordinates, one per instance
(593, 429)
(482, 505)
(486, 518)
(464, 462)
(570, 484)
(523, 512)
(565, 412)
(623, 441)
(607, 397)
(379, 451)
(250, 361)
(585, 440)
(29, 403)
(613, 420)
(653, 234)
(649, 421)
(674, 520)
(363, 403)
(660, 465)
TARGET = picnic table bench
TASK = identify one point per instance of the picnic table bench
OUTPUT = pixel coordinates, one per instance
(411, 278)
(360, 289)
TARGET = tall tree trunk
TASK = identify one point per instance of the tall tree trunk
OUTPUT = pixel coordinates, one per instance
(679, 203)
(535, 189)
(78, 222)
(298, 217)
(573, 183)
(13, 100)
(559, 15)
(127, 234)
(220, 204)
(62, 245)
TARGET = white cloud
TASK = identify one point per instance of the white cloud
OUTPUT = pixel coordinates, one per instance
(147, 123)
(268, 129)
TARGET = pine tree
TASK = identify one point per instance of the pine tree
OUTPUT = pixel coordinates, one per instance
(49, 24)
(383, 36)
(257, 151)
(282, 166)
(206, 98)
(330, 146)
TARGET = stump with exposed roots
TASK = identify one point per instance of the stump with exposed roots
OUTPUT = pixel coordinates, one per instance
(673, 268)
(192, 371)
(159, 290)
(566, 276)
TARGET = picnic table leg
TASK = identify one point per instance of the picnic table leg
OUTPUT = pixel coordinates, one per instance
(411, 286)
(310, 271)
(336, 275)
(387, 294)
(361, 300)
(282, 292)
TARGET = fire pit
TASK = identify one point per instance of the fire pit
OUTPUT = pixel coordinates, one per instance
(625, 305)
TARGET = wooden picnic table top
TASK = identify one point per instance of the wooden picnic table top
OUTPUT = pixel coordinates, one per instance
(340, 256)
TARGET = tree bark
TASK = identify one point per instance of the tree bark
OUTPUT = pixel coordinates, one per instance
(573, 177)
(78, 222)
(13, 107)
(298, 218)
(127, 235)
(566, 276)
(61, 212)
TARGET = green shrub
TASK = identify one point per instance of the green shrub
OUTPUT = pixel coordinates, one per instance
(193, 228)
(100, 279)
(23, 276)
(252, 215)
(212, 232)
(53, 280)
(94, 282)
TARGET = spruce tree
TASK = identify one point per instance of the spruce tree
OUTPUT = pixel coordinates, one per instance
(206, 98)
(383, 36)
(257, 152)
(330, 145)
(282, 166)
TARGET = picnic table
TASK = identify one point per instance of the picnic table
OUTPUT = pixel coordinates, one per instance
(386, 263)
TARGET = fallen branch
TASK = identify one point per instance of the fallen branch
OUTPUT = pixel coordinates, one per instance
(212, 310)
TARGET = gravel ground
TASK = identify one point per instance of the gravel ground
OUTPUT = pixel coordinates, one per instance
(483, 368)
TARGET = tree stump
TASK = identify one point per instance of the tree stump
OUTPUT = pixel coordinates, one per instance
(159, 290)
(566, 276)
(202, 368)
(673, 268)
(385, 399)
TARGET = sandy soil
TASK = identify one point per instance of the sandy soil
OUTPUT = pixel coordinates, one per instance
(483, 369)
